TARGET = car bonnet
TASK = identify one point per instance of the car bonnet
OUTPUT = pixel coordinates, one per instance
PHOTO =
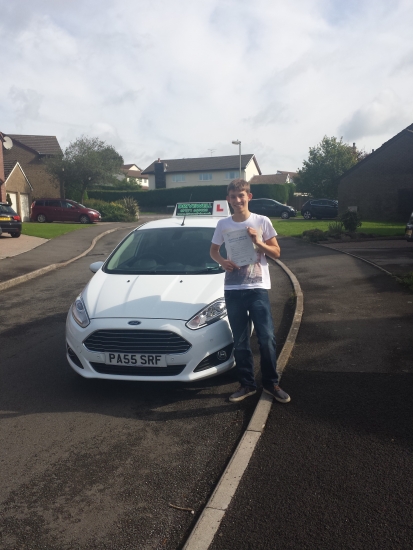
(151, 296)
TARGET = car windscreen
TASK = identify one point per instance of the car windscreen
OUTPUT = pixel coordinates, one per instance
(169, 250)
(7, 210)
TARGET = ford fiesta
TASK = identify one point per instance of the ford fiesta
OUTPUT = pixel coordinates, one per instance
(155, 309)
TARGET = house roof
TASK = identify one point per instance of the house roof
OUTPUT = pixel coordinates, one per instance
(204, 164)
(43, 145)
(279, 179)
(407, 132)
(127, 167)
(134, 174)
(10, 165)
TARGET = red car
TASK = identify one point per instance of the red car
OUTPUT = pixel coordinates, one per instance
(62, 210)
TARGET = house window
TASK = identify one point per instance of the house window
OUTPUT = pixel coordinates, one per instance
(232, 175)
(205, 177)
(178, 178)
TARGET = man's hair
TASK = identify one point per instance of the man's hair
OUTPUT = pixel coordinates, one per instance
(238, 185)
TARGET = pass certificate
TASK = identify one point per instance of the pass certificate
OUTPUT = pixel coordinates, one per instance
(240, 248)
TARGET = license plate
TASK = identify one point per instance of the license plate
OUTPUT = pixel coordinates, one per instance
(136, 359)
(408, 232)
(4, 219)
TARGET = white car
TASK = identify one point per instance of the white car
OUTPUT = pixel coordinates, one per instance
(155, 310)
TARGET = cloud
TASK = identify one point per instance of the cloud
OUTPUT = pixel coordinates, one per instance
(27, 103)
(174, 79)
(386, 113)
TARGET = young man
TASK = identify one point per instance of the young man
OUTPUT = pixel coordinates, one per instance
(246, 294)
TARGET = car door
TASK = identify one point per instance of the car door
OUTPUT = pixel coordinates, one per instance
(54, 211)
(256, 206)
(327, 209)
(69, 212)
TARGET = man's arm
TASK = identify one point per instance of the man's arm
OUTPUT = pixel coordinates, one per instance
(215, 255)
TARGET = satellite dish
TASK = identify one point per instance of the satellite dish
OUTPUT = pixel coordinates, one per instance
(7, 143)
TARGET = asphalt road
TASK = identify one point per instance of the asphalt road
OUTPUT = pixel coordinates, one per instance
(333, 468)
(95, 464)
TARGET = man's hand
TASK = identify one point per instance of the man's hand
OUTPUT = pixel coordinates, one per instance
(253, 234)
(228, 265)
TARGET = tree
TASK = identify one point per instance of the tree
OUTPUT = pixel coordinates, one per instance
(326, 162)
(86, 162)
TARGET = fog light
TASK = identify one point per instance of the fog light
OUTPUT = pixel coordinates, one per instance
(222, 355)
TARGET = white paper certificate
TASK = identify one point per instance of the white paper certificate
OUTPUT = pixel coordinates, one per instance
(240, 248)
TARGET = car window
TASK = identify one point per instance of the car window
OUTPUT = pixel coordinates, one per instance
(56, 204)
(39, 203)
(7, 210)
(316, 203)
(67, 204)
(169, 250)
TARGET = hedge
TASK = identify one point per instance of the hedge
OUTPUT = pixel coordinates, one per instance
(204, 193)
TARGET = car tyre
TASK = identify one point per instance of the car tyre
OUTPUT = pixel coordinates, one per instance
(285, 215)
(307, 215)
(84, 219)
(16, 235)
(41, 218)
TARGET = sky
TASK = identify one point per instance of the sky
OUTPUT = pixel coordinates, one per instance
(182, 79)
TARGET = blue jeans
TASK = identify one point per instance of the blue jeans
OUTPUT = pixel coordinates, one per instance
(254, 304)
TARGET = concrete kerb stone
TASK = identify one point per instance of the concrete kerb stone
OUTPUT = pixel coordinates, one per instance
(38, 272)
(211, 517)
(355, 256)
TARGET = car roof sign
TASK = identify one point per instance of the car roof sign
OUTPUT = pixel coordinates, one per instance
(215, 209)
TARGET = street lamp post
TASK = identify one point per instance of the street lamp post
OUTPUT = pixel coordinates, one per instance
(237, 142)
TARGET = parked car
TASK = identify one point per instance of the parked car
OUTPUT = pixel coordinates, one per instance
(62, 210)
(319, 208)
(271, 208)
(409, 229)
(10, 221)
(155, 309)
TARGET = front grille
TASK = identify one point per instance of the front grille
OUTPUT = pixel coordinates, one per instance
(170, 370)
(137, 341)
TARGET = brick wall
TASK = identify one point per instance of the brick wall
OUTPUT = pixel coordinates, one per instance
(32, 164)
(378, 185)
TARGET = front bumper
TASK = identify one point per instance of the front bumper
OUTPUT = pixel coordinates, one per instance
(205, 343)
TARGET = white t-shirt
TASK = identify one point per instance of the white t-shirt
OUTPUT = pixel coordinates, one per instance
(255, 275)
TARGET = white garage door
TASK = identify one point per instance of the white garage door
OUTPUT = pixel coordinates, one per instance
(13, 197)
(25, 209)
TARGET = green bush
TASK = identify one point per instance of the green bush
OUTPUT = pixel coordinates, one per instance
(130, 206)
(110, 211)
(201, 193)
(351, 221)
(314, 235)
(336, 229)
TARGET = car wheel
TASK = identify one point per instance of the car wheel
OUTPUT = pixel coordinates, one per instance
(15, 235)
(41, 218)
(84, 219)
(307, 215)
(285, 215)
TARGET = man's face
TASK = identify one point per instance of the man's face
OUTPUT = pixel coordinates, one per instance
(239, 200)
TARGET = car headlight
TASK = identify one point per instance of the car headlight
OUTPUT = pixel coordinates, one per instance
(210, 314)
(79, 312)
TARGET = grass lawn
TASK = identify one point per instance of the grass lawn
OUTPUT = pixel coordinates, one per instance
(50, 230)
(294, 227)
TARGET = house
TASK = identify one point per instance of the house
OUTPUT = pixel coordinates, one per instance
(279, 178)
(25, 176)
(381, 185)
(200, 171)
(133, 171)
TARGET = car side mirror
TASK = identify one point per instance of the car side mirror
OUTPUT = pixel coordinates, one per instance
(95, 266)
